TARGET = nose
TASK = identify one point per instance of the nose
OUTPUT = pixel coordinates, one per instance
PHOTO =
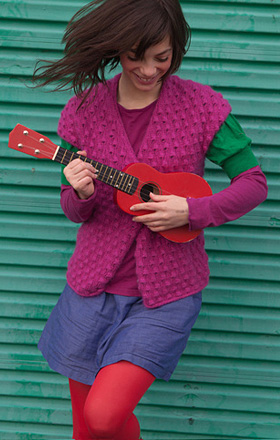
(148, 70)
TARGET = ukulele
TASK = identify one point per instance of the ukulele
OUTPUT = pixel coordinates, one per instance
(131, 185)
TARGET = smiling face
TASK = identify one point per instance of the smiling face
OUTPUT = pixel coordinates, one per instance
(144, 75)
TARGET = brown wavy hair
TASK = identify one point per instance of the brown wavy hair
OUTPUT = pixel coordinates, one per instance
(102, 30)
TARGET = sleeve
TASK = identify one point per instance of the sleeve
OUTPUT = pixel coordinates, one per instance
(246, 192)
(75, 209)
(231, 149)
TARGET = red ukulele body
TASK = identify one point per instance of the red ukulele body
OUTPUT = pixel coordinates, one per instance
(179, 184)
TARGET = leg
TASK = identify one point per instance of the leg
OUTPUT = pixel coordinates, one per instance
(130, 430)
(114, 395)
(79, 393)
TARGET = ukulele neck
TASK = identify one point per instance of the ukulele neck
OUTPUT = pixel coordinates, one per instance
(111, 176)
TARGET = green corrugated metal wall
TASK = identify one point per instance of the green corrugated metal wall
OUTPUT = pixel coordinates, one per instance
(227, 383)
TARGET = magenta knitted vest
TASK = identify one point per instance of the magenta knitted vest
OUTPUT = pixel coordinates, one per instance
(186, 118)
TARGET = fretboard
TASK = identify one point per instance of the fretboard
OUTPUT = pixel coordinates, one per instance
(111, 176)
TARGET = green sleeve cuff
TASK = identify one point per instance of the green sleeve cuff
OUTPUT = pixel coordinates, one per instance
(240, 162)
(69, 147)
(231, 149)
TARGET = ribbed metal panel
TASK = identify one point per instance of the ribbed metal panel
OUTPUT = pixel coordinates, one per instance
(226, 385)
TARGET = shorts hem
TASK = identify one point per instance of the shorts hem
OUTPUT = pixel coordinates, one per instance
(142, 362)
(65, 371)
(88, 379)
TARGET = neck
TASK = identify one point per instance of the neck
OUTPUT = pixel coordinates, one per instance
(131, 98)
(111, 176)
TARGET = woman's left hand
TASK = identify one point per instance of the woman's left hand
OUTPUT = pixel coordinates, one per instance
(169, 212)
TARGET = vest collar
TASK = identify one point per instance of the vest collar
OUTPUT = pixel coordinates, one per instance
(112, 85)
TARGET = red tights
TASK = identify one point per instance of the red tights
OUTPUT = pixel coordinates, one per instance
(105, 409)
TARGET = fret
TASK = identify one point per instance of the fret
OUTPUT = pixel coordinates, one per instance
(63, 156)
(117, 183)
(57, 157)
(60, 156)
(134, 185)
(129, 184)
(100, 172)
(125, 181)
(114, 180)
(94, 163)
(122, 175)
(111, 176)
(107, 173)
(69, 156)
(104, 174)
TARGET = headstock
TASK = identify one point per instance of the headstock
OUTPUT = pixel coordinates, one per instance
(30, 142)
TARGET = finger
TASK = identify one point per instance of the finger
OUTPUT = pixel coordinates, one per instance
(141, 207)
(158, 197)
(78, 165)
(75, 178)
(147, 206)
(147, 219)
(83, 182)
(157, 228)
(84, 175)
(88, 165)
(152, 206)
(82, 152)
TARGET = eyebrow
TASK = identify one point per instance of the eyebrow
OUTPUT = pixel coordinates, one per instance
(165, 51)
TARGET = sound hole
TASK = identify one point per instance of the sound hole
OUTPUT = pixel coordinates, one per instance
(146, 190)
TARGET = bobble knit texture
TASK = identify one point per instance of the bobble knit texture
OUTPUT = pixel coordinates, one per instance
(186, 118)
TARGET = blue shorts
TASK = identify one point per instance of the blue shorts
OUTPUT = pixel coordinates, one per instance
(84, 334)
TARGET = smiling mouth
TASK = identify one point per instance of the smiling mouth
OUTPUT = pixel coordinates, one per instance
(147, 80)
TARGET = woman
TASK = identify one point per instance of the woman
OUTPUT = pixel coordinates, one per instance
(132, 296)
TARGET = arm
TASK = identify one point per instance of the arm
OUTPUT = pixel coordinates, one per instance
(78, 190)
(76, 209)
(230, 149)
(247, 190)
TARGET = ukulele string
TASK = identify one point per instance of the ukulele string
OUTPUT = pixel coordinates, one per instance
(49, 155)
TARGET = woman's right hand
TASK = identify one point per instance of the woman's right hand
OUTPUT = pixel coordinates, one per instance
(81, 176)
